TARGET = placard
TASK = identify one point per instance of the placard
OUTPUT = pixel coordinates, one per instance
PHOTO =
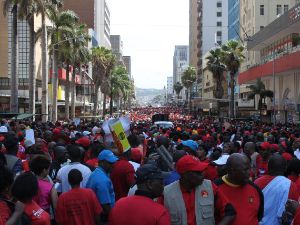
(119, 136)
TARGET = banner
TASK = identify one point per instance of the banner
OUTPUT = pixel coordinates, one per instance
(119, 136)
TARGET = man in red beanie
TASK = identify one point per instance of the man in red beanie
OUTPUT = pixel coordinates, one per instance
(194, 200)
(265, 151)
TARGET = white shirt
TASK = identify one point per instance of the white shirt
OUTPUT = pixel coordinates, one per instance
(63, 173)
(135, 165)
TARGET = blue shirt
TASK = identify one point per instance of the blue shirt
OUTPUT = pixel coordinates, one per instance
(174, 176)
(100, 182)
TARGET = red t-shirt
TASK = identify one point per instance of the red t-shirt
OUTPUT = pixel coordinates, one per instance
(211, 172)
(263, 181)
(122, 177)
(296, 180)
(261, 166)
(247, 200)
(5, 212)
(137, 210)
(36, 214)
(77, 206)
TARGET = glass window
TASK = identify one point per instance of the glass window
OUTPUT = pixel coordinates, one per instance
(262, 27)
(219, 33)
(219, 24)
(219, 14)
(262, 10)
(286, 8)
(278, 9)
(219, 4)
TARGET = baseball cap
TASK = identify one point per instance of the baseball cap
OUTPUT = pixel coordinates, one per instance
(190, 163)
(193, 145)
(222, 160)
(84, 141)
(108, 156)
(148, 172)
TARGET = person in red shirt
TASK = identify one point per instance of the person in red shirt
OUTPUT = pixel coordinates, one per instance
(276, 168)
(246, 198)
(24, 189)
(192, 182)
(262, 159)
(293, 172)
(73, 208)
(140, 208)
(122, 176)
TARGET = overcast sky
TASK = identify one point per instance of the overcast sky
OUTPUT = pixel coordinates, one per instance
(150, 29)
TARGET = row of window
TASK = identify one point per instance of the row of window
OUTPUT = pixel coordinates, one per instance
(278, 9)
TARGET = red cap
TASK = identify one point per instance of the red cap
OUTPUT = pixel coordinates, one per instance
(265, 146)
(287, 156)
(136, 155)
(56, 131)
(275, 147)
(84, 141)
(190, 163)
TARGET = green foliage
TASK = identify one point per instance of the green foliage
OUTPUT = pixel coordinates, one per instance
(178, 87)
(189, 77)
(259, 89)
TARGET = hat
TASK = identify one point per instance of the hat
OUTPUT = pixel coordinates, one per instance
(108, 156)
(28, 143)
(222, 160)
(190, 163)
(193, 145)
(3, 129)
(84, 141)
(86, 133)
(148, 172)
(265, 146)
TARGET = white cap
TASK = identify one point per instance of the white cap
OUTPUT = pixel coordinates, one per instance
(222, 160)
(3, 129)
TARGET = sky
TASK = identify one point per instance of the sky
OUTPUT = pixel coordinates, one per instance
(150, 29)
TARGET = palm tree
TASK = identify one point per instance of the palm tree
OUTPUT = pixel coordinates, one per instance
(11, 6)
(103, 62)
(177, 88)
(259, 88)
(80, 56)
(215, 66)
(188, 79)
(232, 56)
(61, 31)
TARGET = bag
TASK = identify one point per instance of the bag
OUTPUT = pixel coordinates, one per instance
(24, 220)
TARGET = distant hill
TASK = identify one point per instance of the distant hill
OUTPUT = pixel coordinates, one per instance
(144, 96)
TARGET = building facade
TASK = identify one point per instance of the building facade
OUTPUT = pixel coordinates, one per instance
(278, 46)
(180, 64)
(127, 62)
(170, 85)
(233, 19)
(117, 48)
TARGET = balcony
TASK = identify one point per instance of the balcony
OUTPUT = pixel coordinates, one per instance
(284, 61)
(245, 103)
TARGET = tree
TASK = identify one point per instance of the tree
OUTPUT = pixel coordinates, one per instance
(177, 88)
(232, 56)
(11, 6)
(259, 88)
(103, 62)
(215, 66)
(62, 29)
(188, 79)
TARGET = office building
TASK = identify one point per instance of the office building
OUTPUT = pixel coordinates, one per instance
(170, 85)
(117, 48)
(127, 62)
(233, 19)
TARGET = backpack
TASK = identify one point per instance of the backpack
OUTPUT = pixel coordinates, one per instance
(24, 220)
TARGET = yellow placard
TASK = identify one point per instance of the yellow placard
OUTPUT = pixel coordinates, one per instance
(119, 136)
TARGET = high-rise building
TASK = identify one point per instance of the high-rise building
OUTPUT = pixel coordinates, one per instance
(127, 62)
(169, 85)
(96, 15)
(117, 48)
(214, 24)
(195, 39)
(234, 19)
(180, 63)
(254, 16)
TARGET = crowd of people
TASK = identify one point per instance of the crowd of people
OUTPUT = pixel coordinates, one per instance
(198, 172)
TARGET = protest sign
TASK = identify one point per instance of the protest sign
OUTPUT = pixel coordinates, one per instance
(118, 135)
(29, 135)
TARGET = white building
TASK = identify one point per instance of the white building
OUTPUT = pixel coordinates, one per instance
(180, 64)
(214, 24)
(102, 23)
(170, 85)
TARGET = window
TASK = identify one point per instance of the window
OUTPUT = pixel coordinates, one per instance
(219, 43)
(219, 33)
(219, 24)
(278, 9)
(219, 4)
(262, 10)
(219, 14)
(286, 8)
(262, 27)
